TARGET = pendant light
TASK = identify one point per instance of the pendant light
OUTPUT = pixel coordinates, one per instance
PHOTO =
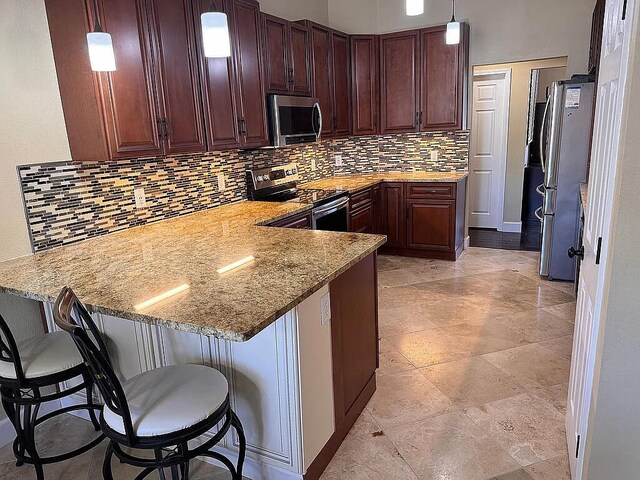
(453, 28)
(215, 33)
(100, 44)
(415, 7)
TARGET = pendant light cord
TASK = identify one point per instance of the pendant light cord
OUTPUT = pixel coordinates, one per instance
(453, 15)
(96, 26)
(213, 7)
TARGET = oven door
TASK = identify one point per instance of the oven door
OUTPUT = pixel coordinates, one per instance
(294, 120)
(333, 217)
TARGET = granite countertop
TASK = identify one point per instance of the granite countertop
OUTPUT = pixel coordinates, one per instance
(355, 182)
(584, 189)
(113, 273)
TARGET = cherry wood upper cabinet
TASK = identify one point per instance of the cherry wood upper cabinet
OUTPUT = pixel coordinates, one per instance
(181, 104)
(364, 84)
(443, 80)
(248, 62)
(151, 104)
(399, 80)
(287, 56)
(218, 88)
(321, 65)
(277, 70)
(341, 83)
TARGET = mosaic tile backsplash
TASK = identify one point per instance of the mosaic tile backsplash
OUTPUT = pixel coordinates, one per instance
(67, 202)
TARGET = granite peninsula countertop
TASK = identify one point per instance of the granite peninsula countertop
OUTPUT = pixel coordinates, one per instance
(355, 182)
(113, 273)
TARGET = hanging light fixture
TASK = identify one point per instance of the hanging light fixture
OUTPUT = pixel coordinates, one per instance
(100, 44)
(415, 7)
(453, 28)
(215, 33)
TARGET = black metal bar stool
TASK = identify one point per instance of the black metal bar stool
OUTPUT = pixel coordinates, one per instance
(161, 410)
(28, 371)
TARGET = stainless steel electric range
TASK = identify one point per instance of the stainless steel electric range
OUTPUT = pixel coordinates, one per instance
(330, 208)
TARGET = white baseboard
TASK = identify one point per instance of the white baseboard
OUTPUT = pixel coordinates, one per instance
(511, 227)
(467, 243)
(8, 434)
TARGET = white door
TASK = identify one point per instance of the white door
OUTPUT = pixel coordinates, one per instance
(611, 86)
(488, 159)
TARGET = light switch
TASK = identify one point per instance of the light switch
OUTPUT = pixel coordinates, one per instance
(313, 165)
(337, 158)
(434, 155)
(325, 310)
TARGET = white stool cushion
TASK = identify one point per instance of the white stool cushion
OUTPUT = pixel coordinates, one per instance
(170, 399)
(44, 355)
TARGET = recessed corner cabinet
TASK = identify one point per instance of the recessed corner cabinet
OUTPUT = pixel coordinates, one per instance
(154, 104)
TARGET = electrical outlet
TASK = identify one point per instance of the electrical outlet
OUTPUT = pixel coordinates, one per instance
(140, 198)
(434, 155)
(313, 165)
(325, 310)
(222, 183)
(337, 158)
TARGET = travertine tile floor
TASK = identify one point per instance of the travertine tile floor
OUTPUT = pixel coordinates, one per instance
(472, 382)
(473, 378)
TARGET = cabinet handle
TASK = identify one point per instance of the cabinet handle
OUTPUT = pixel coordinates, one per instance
(241, 126)
(165, 124)
(420, 122)
(160, 128)
(417, 119)
(291, 76)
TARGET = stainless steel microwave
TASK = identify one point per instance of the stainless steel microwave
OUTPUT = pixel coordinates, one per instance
(294, 120)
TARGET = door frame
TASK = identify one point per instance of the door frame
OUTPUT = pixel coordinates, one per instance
(507, 72)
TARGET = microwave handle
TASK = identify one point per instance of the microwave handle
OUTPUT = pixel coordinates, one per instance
(316, 106)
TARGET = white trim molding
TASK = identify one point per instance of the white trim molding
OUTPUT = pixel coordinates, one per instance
(511, 227)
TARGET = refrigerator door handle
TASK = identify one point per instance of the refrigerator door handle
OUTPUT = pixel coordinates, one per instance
(538, 214)
(540, 189)
(541, 145)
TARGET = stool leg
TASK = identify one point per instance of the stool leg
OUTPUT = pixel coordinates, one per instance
(184, 450)
(158, 452)
(28, 437)
(106, 465)
(235, 421)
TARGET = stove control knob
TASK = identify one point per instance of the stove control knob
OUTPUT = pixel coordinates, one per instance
(294, 171)
(259, 178)
(266, 178)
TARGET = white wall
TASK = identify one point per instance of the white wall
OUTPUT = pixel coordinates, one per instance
(316, 10)
(32, 130)
(501, 31)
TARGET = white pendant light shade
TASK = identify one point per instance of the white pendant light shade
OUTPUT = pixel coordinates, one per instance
(215, 35)
(415, 7)
(453, 33)
(101, 53)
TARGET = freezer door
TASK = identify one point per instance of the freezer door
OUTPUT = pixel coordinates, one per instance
(547, 238)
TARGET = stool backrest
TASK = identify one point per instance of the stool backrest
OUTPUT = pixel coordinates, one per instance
(9, 353)
(73, 317)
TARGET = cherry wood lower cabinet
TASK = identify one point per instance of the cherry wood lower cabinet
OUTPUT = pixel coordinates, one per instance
(424, 219)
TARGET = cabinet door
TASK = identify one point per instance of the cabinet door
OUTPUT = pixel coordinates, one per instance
(300, 59)
(177, 64)
(354, 333)
(249, 73)
(218, 88)
(364, 84)
(431, 225)
(277, 70)
(321, 74)
(129, 95)
(443, 80)
(341, 84)
(393, 214)
(361, 220)
(376, 196)
(399, 79)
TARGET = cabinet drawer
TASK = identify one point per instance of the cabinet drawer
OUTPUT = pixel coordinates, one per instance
(432, 190)
(301, 221)
(361, 220)
(359, 199)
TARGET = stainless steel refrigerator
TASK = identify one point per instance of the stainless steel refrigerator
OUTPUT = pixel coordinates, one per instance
(564, 150)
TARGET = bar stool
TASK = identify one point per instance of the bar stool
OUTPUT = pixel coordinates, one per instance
(160, 410)
(28, 368)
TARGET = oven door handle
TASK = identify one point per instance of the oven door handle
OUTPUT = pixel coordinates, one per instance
(331, 208)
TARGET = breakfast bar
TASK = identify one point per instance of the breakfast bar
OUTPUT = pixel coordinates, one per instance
(288, 316)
